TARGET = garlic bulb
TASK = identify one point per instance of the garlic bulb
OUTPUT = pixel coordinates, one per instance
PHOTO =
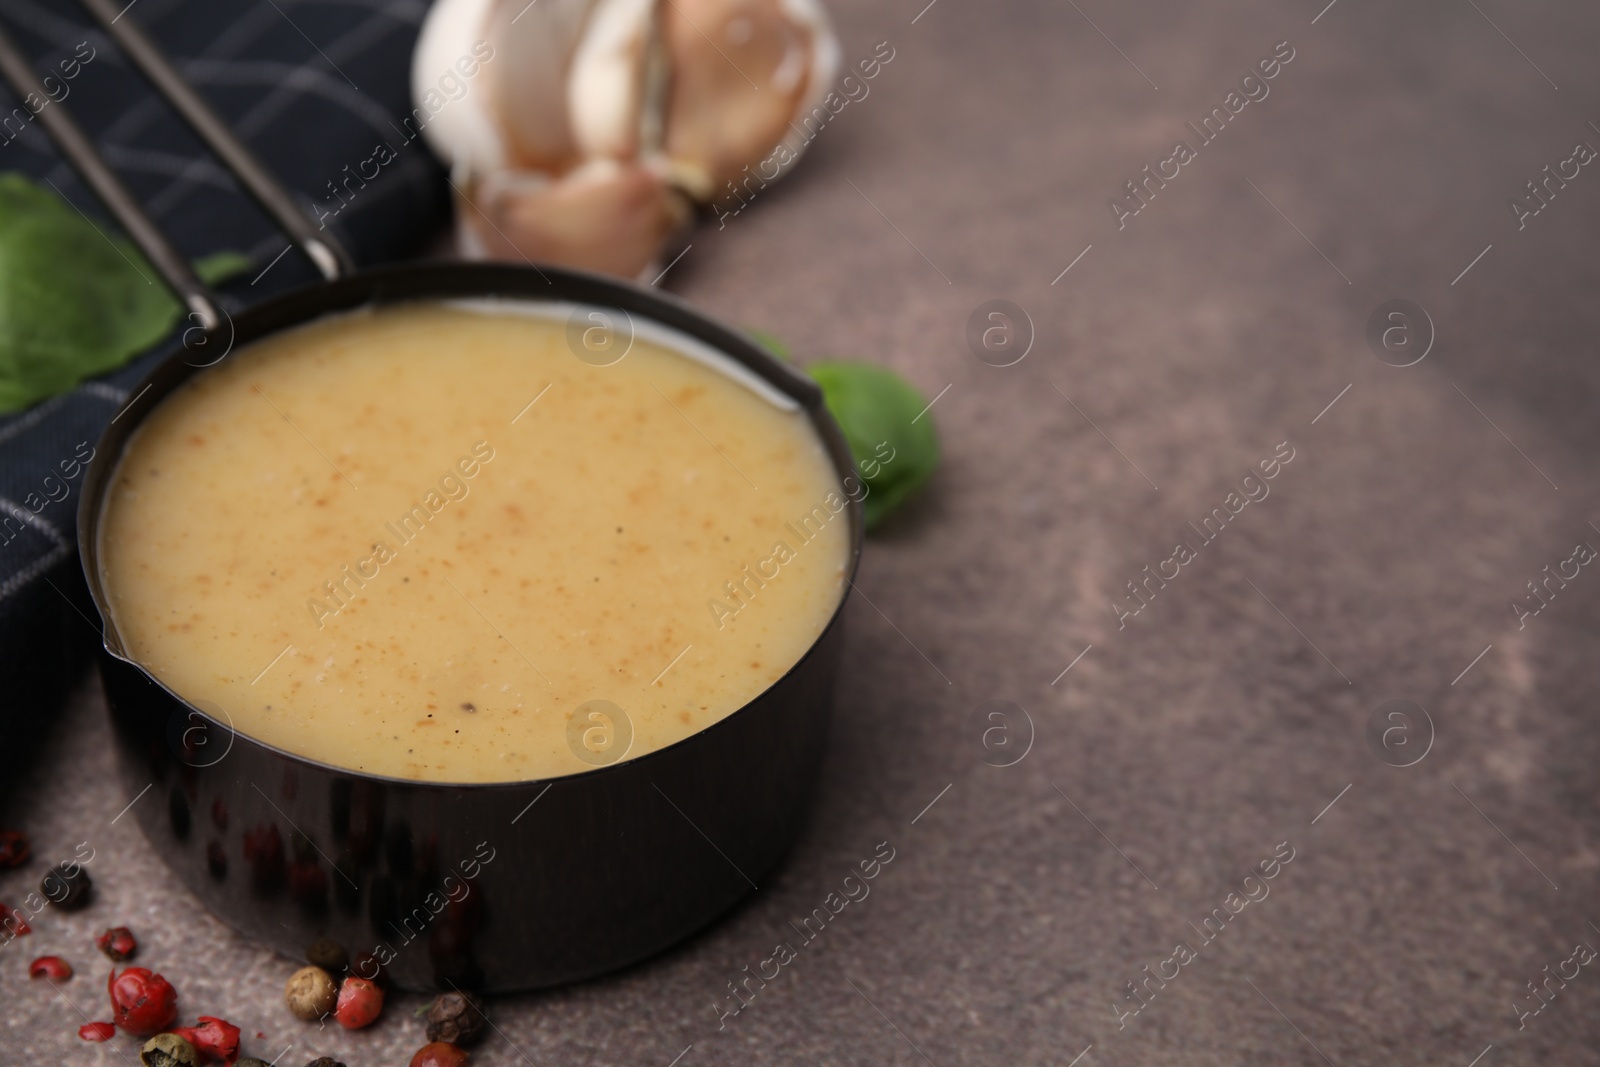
(588, 129)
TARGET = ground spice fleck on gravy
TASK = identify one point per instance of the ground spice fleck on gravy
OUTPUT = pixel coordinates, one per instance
(451, 585)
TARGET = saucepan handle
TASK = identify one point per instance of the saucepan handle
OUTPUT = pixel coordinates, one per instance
(319, 247)
(80, 152)
(323, 251)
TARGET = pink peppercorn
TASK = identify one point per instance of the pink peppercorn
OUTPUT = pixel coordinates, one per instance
(142, 1002)
(52, 967)
(359, 1003)
(118, 944)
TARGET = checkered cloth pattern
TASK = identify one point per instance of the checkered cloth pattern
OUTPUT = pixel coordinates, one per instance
(313, 86)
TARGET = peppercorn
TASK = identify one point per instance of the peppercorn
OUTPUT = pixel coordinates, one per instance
(456, 1018)
(322, 1061)
(13, 849)
(13, 922)
(52, 967)
(67, 890)
(168, 1050)
(251, 1061)
(439, 1054)
(328, 954)
(310, 993)
(142, 1002)
(360, 1001)
(99, 1032)
(118, 944)
(214, 1038)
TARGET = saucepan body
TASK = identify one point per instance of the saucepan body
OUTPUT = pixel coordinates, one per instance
(495, 886)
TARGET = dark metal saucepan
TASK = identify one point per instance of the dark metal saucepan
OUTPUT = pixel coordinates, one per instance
(490, 886)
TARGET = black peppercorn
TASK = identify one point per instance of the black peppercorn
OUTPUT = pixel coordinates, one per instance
(251, 1061)
(456, 1018)
(328, 954)
(322, 1061)
(67, 889)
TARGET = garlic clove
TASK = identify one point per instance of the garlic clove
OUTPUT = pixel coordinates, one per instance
(742, 72)
(606, 89)
(529, 91)
(514, 113)
(461, 135)
(604, 216)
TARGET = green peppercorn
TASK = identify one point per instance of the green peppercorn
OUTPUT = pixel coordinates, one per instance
(455, 1018)
(67, 889)
(329, 955)
(168, 1050)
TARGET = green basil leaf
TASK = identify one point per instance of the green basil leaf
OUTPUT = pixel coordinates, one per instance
(74, 302)
(220, 266)
(875, 408)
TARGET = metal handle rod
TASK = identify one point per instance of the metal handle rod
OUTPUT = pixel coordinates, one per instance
(323, 251)
(80, 152)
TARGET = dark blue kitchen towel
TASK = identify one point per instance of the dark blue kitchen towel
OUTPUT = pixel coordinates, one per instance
(313, 86)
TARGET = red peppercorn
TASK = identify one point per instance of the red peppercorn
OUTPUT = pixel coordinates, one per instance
(118, 944)
(214, 1038)
(142, 1002)
(52, 967)
(439, 1054)
(15, 923)
(359, 1003)
(13, 849)
(97, 1031)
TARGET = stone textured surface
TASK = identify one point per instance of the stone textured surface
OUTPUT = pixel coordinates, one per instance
(1227, 716)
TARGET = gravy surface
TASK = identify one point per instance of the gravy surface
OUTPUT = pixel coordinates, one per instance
(421, 541)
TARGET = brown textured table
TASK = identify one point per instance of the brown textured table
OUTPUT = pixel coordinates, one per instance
(1226, 717)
